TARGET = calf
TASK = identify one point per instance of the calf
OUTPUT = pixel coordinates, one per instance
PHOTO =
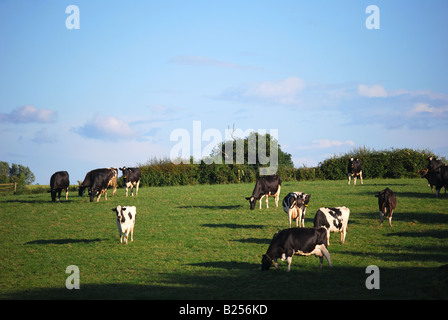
(295, 204)
(387, 202)
(59, 181)
(125, 222)
(354, 170)
(264, 187)
(131, 178)
(302, 241)
(333, 220)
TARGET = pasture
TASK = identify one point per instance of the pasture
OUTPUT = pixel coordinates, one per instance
(203, 242)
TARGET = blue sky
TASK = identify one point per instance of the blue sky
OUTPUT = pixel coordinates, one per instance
(111, 92)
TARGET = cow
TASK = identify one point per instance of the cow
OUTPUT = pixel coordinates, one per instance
(264, 187)
(109, 173)
(387, 202)
(295, 204)
(354, 169)
(59, 181)
(333, 220)
(131, 177)
(125, 221)
(301, 241)
(436, 174)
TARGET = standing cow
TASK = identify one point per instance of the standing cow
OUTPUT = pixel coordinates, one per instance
(333, 220)
(125, 222)
(131, 177)
(264, 187)
(387, 202)
(301, 241)
(295, 204)
(59, 181)
(354, 169)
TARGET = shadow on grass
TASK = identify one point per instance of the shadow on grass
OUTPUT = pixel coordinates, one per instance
(63, 241)
(233, 226)
(224, 207)
(241, 280)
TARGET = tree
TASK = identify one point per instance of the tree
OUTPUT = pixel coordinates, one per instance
(16, 173)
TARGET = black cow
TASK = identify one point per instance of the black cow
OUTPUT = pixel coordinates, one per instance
(264, 187)
(94, 176)
(354, 169)
(131, 178)
(387, 202)
(59, 181)
(99, 183)
(436, 174)
(302, 241)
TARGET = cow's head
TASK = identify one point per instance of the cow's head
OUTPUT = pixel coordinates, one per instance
(266, 263)
(252, 202)
(119, 211)
(306, 199)
(124, 170)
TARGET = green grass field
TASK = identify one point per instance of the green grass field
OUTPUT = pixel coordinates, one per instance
(203, 242)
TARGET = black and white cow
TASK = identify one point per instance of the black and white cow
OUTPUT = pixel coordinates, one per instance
(125, 221)
(301, 241)
(59, 181)
(97, 182)
(131, 178)
(333, 220)
(387, 202)
(354, 169)
(264, 187)
(295, 204)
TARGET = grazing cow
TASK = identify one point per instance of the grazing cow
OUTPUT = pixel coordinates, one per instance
(354, 170)
(333, 220)
(264, 187)
(302, 241)
(125, 222)
(106, 173)
(131, 178)
(295, 204)
(59, 181)
(387, 202)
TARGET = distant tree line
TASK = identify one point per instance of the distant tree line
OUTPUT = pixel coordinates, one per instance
(394, 163)
(15, 173)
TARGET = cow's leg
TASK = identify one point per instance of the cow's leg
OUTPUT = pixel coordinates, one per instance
(328, 237)
(354, 179)
(105, 194)
(277, 196)
(390, 218)
(260, 200)
(290, 217)
(349, 178)
(138, 183)
(275, 263)
(267, 201)
(132, 233)
(289, 260)
(381, 218)
(66, 194)
(360, 176)
(59, 194)
(127, 186)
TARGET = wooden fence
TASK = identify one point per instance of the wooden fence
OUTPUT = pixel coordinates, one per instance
(10, 186)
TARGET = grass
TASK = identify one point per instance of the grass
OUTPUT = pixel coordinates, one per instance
(203, 242)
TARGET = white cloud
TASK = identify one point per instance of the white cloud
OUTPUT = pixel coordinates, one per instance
(283, 92)
(327, 143)
(106, 128)
(29, 114)
(375, 91)
(43, 137)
